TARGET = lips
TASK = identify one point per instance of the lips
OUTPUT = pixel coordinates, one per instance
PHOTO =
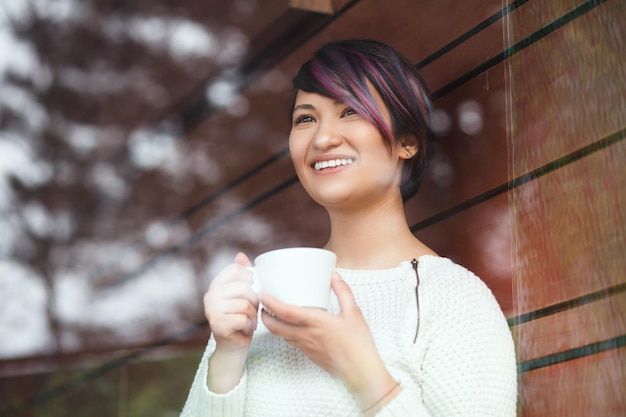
(332, 163)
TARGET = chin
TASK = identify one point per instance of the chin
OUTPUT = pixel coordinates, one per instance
(330, 199)
(341, 200)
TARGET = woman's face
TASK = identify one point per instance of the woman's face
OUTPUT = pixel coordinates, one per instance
(339, 156)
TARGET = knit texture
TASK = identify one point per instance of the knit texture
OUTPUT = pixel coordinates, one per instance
(463, 363)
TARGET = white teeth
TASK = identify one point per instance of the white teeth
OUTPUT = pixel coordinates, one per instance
(332, 163)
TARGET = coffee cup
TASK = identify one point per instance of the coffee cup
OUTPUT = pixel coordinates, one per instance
(298, 276)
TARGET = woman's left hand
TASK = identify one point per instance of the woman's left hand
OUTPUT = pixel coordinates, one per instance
(340, 344)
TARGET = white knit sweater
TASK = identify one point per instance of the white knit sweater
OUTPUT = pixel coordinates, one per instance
(463, 363)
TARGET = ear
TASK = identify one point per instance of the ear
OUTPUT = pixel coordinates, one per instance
(407, 149)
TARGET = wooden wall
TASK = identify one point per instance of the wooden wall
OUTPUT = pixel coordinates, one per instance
(567, 121)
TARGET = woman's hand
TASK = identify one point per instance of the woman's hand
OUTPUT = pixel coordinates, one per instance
(230, 306)
(341, 344)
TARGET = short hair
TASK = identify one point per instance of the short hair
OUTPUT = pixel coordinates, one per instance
(341, 70)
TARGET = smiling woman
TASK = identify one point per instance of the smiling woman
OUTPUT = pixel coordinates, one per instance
(407, 333)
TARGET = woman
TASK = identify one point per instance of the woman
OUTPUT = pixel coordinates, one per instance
(408, 333)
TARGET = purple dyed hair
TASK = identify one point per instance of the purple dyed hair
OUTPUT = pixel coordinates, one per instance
(341, 70)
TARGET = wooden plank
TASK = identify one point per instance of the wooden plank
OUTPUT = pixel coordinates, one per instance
(412, 27)
(590, 386)
(569, 89)
(569, 230)
(534, 14)
(464, 58)
(587, 324)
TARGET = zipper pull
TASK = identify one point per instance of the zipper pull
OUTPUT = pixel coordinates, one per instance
(414, 263)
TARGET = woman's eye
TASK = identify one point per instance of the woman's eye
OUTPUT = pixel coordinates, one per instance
(348, 112)
(302, 119)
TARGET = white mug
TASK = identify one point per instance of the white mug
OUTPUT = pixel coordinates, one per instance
(297, 276)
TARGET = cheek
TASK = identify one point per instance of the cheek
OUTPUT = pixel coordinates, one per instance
(298, 139)
(297, 151)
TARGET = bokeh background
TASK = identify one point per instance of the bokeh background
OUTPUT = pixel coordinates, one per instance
(143, 143)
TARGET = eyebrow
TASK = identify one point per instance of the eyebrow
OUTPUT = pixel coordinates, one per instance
(306, 106)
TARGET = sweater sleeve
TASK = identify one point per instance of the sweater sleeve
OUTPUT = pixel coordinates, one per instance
(201, 402)
(467, 365)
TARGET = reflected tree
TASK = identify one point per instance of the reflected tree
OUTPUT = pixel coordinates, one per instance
(90, 149)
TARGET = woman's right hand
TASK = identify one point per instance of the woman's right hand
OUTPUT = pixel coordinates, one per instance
(230, 306)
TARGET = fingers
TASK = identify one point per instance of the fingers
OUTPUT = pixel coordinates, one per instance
(298, 316)
(234, 272)
(242, 259)
(240, 315)
(284, 326)
(273, 324)
(237, 289)
(239, 306)
(233, 282)
(229, 301)
(231, 304)
(346, 300)
(234, 318)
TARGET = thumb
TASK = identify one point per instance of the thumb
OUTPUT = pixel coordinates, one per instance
(343, 293)
(242, 259)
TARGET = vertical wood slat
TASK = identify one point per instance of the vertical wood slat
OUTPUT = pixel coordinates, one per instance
(567, 95)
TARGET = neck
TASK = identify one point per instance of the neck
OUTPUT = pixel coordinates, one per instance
(374, 238)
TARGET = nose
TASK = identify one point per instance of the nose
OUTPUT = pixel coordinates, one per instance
(326, 136)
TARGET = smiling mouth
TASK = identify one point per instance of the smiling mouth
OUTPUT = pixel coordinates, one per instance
(333, 163)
